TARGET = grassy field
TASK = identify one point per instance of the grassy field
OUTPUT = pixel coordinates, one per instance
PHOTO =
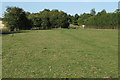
(60, 53)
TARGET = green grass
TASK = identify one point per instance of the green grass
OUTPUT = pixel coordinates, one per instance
(62, 53)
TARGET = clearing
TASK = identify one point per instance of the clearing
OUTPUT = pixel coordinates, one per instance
(60, 53)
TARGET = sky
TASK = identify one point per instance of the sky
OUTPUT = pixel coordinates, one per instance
(68, 7)
(59, 0)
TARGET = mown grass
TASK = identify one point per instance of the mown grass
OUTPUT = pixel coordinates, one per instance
(62, 53)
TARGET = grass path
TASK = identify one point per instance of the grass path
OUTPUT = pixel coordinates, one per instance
(60, 54)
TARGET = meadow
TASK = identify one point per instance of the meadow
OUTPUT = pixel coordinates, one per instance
(60, 53)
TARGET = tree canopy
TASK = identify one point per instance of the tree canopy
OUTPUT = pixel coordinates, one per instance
(17, 19)
(102, 20)
(47, 19)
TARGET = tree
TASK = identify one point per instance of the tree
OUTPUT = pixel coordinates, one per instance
(75, 19)
(93, 12)
(54, 18)
(45, 17)
(103, 12)
(82, 18)
(103, 20)
(70, 18)
(117, 11)
(36, 20)
(63, 20)
(15, 19)
(58, 19)
(76, 16)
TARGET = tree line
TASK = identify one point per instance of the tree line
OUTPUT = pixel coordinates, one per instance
(100, 20)
(17, 19)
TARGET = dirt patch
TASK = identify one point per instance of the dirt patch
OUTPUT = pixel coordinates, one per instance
(1, 25)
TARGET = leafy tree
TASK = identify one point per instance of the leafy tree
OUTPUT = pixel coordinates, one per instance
(63, 20)
(103, 20)
(45, 19)
(58, 19)
(76, 16)
(54, 18)
(117, 11)
(36, 20)
(93, 12)
(70, 18)
(15, 19)
(75, 19)
(103, 12)
(82, 18)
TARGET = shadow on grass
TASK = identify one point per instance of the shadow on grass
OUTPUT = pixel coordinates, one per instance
(12, 32)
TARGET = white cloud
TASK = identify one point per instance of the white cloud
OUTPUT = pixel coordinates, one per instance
(60, 0)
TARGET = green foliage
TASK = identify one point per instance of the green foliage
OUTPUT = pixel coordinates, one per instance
(15, 18)
(70, 19)
(93, 12)
(117, 11)
(36, 20)
(54, 18)
(63, 20)
(103, 12)
(47, 19)
(75, 19)
(103, 20)
(82, 18)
